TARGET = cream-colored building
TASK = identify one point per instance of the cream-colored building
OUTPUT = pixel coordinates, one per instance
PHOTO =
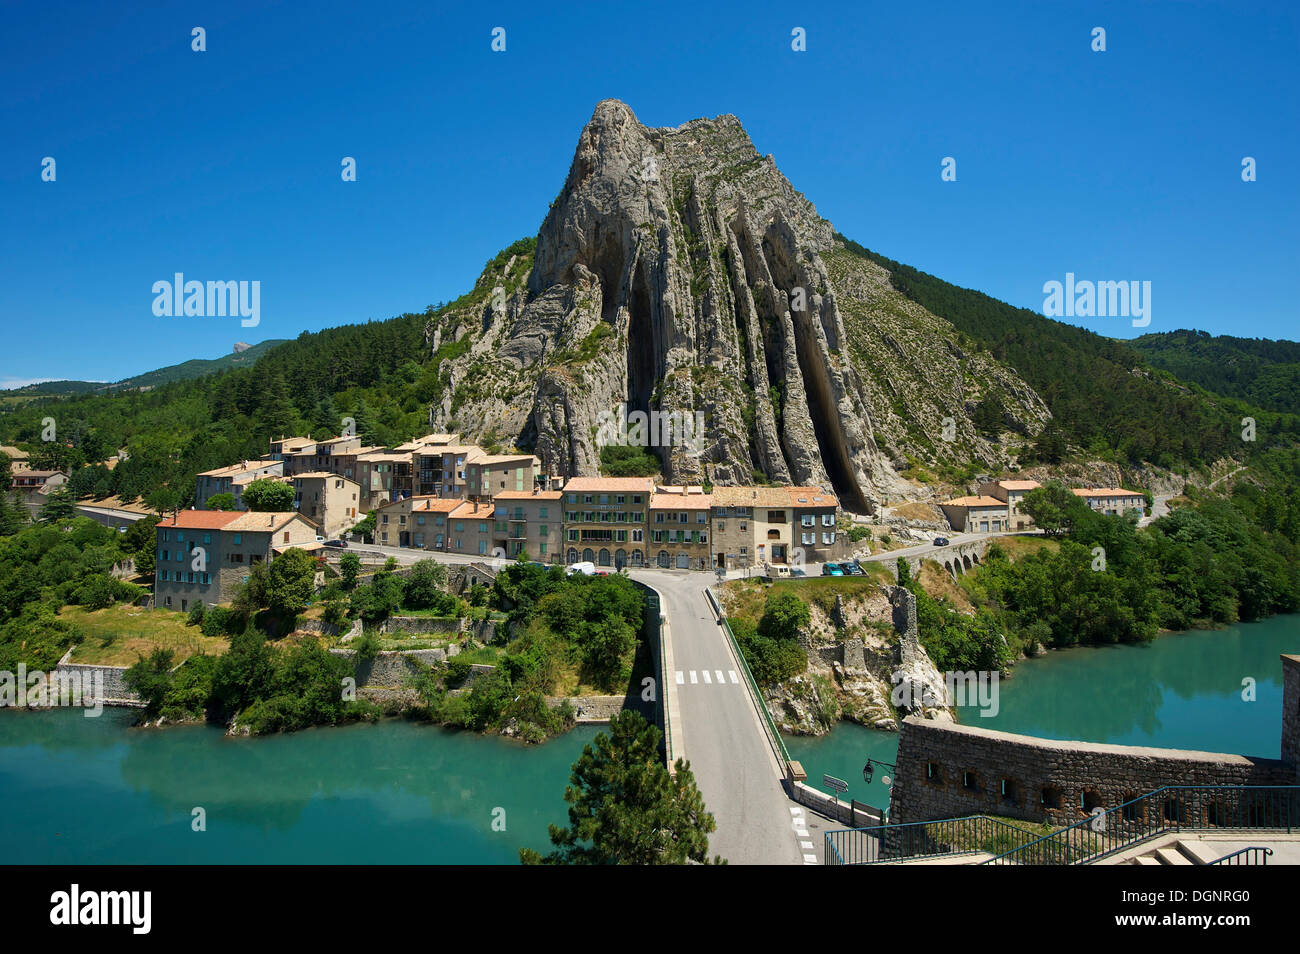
(679, 528)
(530, 521)
(978, 514)
(1112, 500)
(1012, 493)
(331, 501)
(490, 474)
(605, 520)
(232, 480)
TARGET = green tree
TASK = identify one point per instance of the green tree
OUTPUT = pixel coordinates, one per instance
(784, 617)
(291, 582)
(625, 807)
(224, 501)
(59, 507)
(349, 568)
(424, 585)
(1054, 508)
(151, 679)
(268, 495)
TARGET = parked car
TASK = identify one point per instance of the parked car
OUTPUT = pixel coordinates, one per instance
(831, 569)
(337, 543)
(852, 569)
(940, 541)
(776, 571)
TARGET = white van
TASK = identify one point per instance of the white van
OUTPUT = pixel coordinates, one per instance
(586, 569)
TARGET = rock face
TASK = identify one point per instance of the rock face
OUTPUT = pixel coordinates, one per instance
(679, 272)
(917, 683)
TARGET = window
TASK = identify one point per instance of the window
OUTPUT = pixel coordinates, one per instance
(808, 520)
(541, 513)
(722, 525)
(828, 520)
(809, 539)
(828, 538)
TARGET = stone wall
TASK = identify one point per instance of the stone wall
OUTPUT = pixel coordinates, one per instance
(1291, 711)
(422, 624)
(948, 771)
(851, 814)
(115, 692)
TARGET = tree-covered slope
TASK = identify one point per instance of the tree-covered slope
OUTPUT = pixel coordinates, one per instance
(1259, 370)
(1104, 396)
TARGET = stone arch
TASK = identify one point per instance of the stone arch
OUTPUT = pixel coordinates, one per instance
(620, 558)
(970, 781)
(602, 558)
(1009, 791)
(588, 556)
(965, 562)
(572, 555)
(663, 558)
(1090, 800)
(1053, 798)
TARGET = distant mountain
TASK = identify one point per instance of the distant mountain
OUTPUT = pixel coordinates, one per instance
(1259, 370)
(244, 355)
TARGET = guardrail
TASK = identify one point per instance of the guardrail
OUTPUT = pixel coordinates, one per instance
(1172, 808)
(1246, 856)
(919, 840)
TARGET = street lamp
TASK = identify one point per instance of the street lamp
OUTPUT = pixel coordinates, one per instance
(869, 770)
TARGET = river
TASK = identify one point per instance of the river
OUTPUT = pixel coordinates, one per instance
(1182, 690)
(76, 790)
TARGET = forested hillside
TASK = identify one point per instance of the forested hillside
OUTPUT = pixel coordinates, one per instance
(1264, 372)
(1104, 397)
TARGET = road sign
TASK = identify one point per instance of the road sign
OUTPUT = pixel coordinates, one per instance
(830, 781)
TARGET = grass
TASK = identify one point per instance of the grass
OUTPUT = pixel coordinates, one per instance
(745, 598)
(938, 584)
(1017, 547)
(119, 635)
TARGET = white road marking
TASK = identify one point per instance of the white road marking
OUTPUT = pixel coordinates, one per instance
(810, 859)
(681, 677)
(706, 677)
(732, 673)
(694, 679)
(718, 673)
(806, 844)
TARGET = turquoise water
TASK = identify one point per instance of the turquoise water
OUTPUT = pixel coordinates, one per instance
(78, 790)
(1182, 691)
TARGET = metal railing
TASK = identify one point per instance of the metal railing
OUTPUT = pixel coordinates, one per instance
(1246, 856)
(1106, 832)
(920, 840)
(1172, 808)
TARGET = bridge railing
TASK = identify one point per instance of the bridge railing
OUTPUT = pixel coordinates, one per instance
(920, 840)
(1255, 855)
(1172, 808)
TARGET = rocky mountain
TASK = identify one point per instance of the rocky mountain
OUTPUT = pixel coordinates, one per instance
(679, 272)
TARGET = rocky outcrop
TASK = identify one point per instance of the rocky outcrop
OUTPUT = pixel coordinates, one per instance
(679, 272)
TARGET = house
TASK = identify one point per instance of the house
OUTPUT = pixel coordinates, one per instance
(384, 476)
(113, 511)
(32, 487)
(419, 522)
(17, 458)
(205, 555)
(470, 528)
(977, 514)
(529, 521)
(284, 447)
(679, 528)
(335, 455)
(731, 521)
(605, 520)
(329, 500)
(815, 516)
(1112, 500)
(1011, 492)
(233, 480)
(490, 474)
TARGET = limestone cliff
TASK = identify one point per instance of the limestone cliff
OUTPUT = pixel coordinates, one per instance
(679, 271)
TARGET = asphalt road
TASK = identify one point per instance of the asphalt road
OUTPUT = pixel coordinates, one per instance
(720, 731)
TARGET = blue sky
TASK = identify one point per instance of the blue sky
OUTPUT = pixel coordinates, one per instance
(224, 165)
